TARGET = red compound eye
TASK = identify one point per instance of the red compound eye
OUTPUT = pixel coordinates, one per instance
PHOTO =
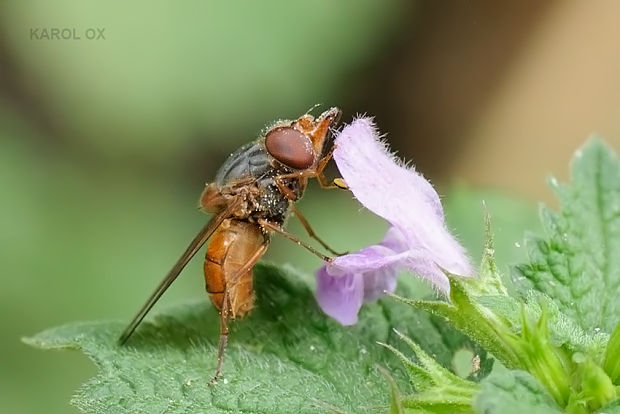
(291, 147)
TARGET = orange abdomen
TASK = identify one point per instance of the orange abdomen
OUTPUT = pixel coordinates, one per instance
(232, 245)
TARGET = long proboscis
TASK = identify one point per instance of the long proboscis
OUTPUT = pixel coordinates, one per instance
(191, 250)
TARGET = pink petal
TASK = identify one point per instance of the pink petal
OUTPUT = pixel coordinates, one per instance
(417, 239)
(340, 297)
(401, 196)
(368, 259)
(350, 280)
(378, 282)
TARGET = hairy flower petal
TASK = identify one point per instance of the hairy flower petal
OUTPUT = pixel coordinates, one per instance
(397, 193)
(376, 177)
(340, 297)
(417, 239)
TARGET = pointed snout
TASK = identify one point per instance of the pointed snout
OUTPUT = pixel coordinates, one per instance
(331, 116)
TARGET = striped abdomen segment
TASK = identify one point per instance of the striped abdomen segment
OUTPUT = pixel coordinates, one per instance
(232, 245)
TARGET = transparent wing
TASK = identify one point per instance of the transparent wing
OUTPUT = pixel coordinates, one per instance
(195, 245)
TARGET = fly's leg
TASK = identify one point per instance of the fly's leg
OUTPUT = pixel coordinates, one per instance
(287, 192)
(311, 233)
(305, 174)
(225, 313)
(340, 183)
(323, 181)
(234, 279)
(224, 318)
(266, 225)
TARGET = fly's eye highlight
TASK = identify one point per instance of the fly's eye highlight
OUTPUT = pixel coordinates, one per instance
(291, 147)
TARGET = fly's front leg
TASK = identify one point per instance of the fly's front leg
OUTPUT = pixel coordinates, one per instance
(304, 175)
(287, 192)
(340, 183)
(323, 181)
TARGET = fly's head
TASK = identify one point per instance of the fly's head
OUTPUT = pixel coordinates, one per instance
(299, 144)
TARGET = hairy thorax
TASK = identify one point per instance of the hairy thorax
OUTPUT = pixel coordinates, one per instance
(248, 174)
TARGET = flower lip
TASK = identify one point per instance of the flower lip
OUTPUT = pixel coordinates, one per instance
(417, 239)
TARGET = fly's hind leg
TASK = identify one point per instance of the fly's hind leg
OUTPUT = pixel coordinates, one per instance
(221, 349)
(234, 279)
(226, 311)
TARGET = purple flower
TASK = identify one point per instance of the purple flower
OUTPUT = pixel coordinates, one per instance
(417, 239)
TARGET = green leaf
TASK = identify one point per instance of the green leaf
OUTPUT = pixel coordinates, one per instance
(396, 406)
(437, 389)
(285, 357)
(508, 331)
(473, 320)
(613, 408)
(578, 264)
(612, 356)
(563, 330)
(488, 281)
(514, 392)
(596, 388)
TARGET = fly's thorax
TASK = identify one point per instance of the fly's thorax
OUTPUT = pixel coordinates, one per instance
(272, 204)
(250, 173)
(249, 161)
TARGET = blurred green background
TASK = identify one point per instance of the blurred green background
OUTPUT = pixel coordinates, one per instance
(107, 143)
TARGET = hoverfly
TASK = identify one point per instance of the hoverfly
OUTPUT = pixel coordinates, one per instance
(253, 193)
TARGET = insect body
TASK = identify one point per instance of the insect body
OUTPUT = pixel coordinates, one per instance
(253, 193)
(231, 245)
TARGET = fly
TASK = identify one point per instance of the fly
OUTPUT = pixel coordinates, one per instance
(253, 192)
